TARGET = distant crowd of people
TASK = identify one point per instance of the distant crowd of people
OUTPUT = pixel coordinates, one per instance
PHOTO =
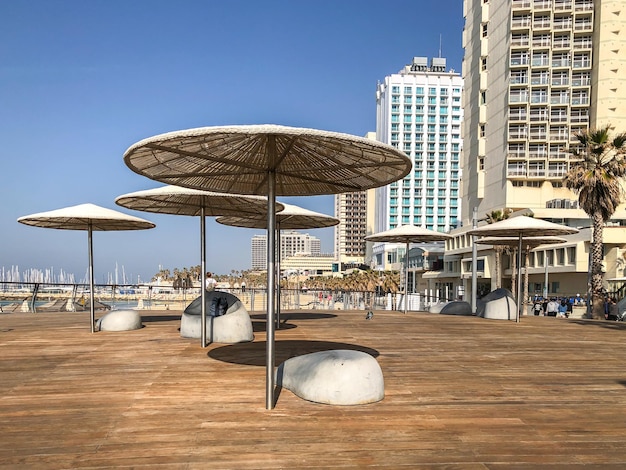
(560, 307)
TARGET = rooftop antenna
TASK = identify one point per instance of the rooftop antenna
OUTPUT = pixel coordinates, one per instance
(440, 45)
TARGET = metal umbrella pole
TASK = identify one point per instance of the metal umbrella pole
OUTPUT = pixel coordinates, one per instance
(406, 277)
(203, 274)
(271, 280)
(92, 301)
(519, 279)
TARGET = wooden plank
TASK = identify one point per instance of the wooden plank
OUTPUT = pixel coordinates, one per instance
(460, 392)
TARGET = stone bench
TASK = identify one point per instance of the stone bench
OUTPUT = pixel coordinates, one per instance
(455, 307)
(498, 305)
(335, 377)
(233, 326)
(119, 320)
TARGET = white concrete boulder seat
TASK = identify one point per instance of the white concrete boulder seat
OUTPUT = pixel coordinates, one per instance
(455, 307)
(119, 320)
(498, 305)
(334, 377)
(227, 319)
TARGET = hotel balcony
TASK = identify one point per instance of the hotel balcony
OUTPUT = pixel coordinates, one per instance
(557, 155)
(582, 101)
(562, 5)
(523, 23)
(521, 4)
(584, 6)
(557, 173)
(519, 173)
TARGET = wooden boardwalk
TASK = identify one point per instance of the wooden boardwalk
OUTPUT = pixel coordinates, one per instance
(460, 393)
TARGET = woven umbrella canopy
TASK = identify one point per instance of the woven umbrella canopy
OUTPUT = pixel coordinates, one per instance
(176, 200)
(521, 227)
(407, 234)
(268, 160)
(529, 242)
(91, 218)
(290, 218)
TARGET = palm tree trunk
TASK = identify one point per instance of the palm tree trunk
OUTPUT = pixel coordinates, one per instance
(498, 255)
(514, 273)
(597, 294)
(526, 266)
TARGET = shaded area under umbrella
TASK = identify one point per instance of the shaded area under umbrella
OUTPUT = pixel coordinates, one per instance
(290, 218)
(529, 242)
(194, 202)
(407, 234)
(268, 160)
(91, 218)
(521, 227)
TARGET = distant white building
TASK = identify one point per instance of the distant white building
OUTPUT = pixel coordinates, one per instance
(356, 214)
(291, 243)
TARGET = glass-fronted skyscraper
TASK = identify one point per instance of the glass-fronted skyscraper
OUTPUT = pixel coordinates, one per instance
(419, 111)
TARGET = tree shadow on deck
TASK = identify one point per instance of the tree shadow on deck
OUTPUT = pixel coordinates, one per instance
(253, 354)
(608, 324)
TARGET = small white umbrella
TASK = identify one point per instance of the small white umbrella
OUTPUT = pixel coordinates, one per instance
(290, 218)
(268, 160)
(529, 242)
(91, 218)
(407, 234)
(194, 202)
(522, 227)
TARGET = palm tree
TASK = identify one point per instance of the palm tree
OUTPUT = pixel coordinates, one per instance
(597, 177)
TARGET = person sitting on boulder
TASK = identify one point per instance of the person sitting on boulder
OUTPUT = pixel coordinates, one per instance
(210, 283)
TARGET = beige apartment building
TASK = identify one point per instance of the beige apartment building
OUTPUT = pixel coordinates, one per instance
(535, 72)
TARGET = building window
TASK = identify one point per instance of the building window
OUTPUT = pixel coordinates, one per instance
(483, 28)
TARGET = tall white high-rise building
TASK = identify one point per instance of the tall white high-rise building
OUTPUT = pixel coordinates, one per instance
(291, 243)
(536, 72)
(419, 111)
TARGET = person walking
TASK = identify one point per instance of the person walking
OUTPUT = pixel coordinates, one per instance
(552, 308)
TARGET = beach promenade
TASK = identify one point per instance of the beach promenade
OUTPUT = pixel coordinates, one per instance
(460, 393)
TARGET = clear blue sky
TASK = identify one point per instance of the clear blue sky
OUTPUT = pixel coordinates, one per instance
(82, 80)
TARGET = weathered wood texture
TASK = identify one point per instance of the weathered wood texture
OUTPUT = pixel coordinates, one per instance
(460, 392)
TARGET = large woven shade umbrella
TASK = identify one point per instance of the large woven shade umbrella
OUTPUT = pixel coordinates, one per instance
(194, 202)
(407, 234)
(529, 243)
(91, 218)
(290, 218)
(521, 227)
(268, 160)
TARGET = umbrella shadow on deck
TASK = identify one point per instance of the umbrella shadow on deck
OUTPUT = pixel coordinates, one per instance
(253, 354)
(261, 326)
(159, 318)
(284, 316)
